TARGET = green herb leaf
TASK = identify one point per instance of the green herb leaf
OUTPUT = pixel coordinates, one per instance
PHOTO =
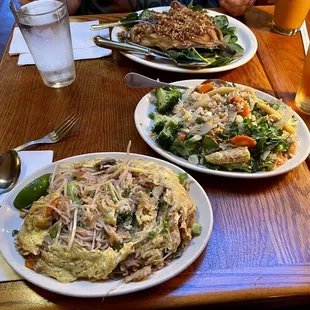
(128, 18)
(199, 120)
(14, 232)
(163, 206)
(148, 191)
(152, 115)
(151, 235)
(221, 21)
(53, 231)
(197, 8)
(118, 247)
(126, 192)
(209, 145)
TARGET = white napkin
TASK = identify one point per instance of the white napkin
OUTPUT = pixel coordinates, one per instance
(30, 162)
(82, 43)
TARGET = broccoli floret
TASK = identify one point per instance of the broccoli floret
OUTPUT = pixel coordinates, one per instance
(159, 123)
(168, 134)
(167, 98)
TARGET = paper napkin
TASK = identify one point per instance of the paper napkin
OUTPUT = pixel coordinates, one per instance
(30, 162)
(82, 43)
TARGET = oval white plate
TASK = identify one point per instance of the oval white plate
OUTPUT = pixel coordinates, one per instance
(10, 220)
(246, 39)
(143, 124)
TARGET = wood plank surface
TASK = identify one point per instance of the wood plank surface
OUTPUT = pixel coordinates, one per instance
(259, 247)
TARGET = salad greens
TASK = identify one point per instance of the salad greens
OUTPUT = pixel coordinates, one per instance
(265, 142)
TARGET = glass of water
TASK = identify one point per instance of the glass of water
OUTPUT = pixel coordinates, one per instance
(46, 30)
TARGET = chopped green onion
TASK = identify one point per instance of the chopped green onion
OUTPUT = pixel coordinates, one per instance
(199, 120)
(183, 177)
(53, 231)
(118, 247)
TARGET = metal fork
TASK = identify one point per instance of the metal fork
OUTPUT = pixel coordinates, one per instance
(54, 136)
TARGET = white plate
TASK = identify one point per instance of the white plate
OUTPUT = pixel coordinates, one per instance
(246, 39)
(143, 124)
(10, 220)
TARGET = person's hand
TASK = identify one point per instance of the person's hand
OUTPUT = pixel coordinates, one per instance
(236, 7)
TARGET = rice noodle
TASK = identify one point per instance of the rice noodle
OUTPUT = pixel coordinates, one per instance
(110, 208)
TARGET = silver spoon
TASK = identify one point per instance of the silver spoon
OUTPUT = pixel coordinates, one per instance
(136, 80)
(102, 42)
(9, 170)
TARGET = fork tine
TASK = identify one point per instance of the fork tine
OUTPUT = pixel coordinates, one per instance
(64, 123)
(66, 129)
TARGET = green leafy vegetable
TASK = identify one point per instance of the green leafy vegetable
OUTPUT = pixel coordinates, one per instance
(148, 191)
(14, 232)
(163, 206)
(199, 120)
(152, 115)
(146, 14)
(198, 8)
(128, 18)
(118, 247)
(221, 21)
(209, 145)
(151, 235)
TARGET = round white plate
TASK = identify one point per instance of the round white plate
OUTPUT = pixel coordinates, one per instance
(144, 124)
(10, 220)
(246, 39)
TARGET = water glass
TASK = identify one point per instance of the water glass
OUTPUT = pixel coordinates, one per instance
(45, 27)
(289, 16)
(303, 92)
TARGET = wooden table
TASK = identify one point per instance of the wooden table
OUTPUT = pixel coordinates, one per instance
(259, 248)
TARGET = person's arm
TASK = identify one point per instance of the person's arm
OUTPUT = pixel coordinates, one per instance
(236, 7)
(73, 6)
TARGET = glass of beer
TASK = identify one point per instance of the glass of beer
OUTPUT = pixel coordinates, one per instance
(289, 16)
(303, 92)
(46, 30)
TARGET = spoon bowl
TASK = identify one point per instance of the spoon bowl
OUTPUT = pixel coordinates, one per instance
(10, 167)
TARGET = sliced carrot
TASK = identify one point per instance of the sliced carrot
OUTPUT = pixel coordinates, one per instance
(245, 111)
(29, 263)
(204, 88)
(243, 141)
(181, 137)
